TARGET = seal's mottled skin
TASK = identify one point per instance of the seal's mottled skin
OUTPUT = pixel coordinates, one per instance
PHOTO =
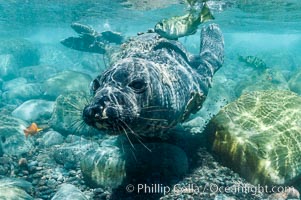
(154, 84)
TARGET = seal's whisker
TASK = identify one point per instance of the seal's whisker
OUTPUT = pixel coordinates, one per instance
(76, 130)
(134, 155)
(87, 100)
(127, 137)
(74, 123)
(137, 136)
(150, 107)
(73, 106)
(80, 127)
(121, 141)
(143, 145)
(163, 110)
(104, 60)
(130, 128)
(122, 147)
(153, 119)
(77, 112)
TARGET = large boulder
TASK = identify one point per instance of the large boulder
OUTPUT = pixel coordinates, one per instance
(34, 110)
(259, 136)
(37, 73)
(295, 83)
(68, 191)
(8, 67)
(12, 136)
(21, 93)
(13, 189)
(110, 166)
(67, 115)
(65, 82)
(24, 52)
(270, 79)
(13, 84)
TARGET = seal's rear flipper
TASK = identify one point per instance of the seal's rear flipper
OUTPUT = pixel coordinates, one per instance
(84, 44)
(112, 37)
(211, 51)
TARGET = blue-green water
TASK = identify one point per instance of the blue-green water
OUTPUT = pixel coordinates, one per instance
(35, 69)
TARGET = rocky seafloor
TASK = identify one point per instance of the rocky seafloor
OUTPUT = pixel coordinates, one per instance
(48, 84)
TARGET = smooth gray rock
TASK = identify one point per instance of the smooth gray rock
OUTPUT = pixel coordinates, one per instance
(258, 136)
(51, 138)
(295, 83)
(70, 154)
(24, 52)
(14, 189)
(68, 191)
(38, 73)
(65, 82)
(34, 110)
(8, 67)
(12, 136)
(22, 93)
(13, 84)
(110, 166)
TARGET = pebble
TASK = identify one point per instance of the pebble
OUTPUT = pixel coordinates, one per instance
(37, 175)
(3, 170)
(25, 172)
(42, 182)
(32, 169)
(35, 181)
(43, 188)
(51, 182)
(72, 173)
(98, 191)
(32, 163)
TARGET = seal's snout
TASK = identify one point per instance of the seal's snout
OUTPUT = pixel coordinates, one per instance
(98, 114)
(89, 113)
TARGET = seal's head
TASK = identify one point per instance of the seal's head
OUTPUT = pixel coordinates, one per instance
(129, 97)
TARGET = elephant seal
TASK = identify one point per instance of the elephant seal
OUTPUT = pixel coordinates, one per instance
(154, 84)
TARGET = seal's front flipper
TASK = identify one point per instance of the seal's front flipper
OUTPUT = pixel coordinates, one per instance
(84, 44)
(211, 51)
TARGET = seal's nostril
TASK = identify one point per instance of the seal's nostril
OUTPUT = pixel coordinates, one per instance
(92, 113)
(112, 113)
(87, 115)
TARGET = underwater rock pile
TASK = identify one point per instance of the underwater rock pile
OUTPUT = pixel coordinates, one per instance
(258, 136)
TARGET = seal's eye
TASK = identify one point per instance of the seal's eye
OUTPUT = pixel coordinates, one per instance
(94, 85)
(138, 85)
